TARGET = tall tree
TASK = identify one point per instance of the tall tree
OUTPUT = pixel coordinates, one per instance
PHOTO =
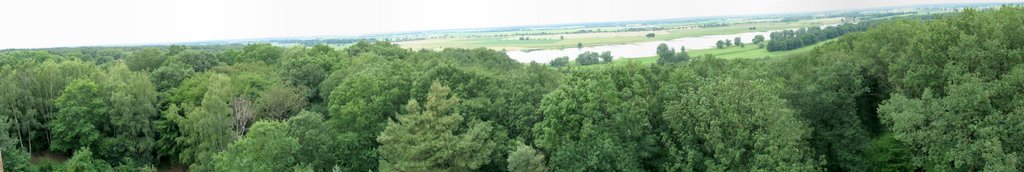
(825, 91)
(83, 111)
(11, 157)
(674, 58)
(606, 56)
(525, 159)
(320, 150)
(361, 106)
(738, 42)
(208, 128)
(267, 147)
(279, 102)
(589, 58)
(664, 51)
(594, 123)
(758, 39)
(724, 124)
(560, 62)
(133, 102)
(170, 76)
(977, 135)
(428, 138)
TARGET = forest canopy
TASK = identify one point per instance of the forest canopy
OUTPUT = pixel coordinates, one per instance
(943, 94)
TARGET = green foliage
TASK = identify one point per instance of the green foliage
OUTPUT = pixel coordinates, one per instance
(514, 105)
(727, 123)
(279, 102)
(147, 59)
(888, 154)
(668, 57)
(364, 101)
(133, 109)
(308, 72)
(318, 149)
(11, 157)
(956, 86)
(175, 49)
(35, 88)
(82, 114)
(664, 52)
(262, 52)
(83, 161)
(598, 121)
(207, 129)
(360, 107)
(738, 41)
(560, 62)
(267, 147)
(978, 135)
(825, 91)
(199, 61)
(428, 138)
(525, 159)
(606, 56)
(322, 49)
(935, 93)
(381, 48)
(589, 58)
(758, 39)
(170, 76)
(793, 39)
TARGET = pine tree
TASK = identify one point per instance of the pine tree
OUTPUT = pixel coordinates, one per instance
(427, 138)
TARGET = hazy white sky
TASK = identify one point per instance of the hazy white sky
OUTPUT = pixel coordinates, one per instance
(51, 23)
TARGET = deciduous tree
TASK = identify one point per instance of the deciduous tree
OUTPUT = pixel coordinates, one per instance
(148, 59)
(83, 111)
(525, 159)
(267, 147)
(560, 62)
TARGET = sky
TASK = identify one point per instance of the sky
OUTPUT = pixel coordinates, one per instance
(60, 23)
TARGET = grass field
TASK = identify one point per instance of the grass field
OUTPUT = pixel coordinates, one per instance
(555, 41)
(750, 52)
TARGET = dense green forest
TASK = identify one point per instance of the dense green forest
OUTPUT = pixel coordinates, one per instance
(793, 39)
(944, 94)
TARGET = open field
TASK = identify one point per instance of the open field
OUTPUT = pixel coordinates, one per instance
(555, 41)
(750, 52)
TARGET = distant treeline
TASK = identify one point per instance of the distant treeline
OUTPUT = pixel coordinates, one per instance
(793, 39)
(312, 42)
